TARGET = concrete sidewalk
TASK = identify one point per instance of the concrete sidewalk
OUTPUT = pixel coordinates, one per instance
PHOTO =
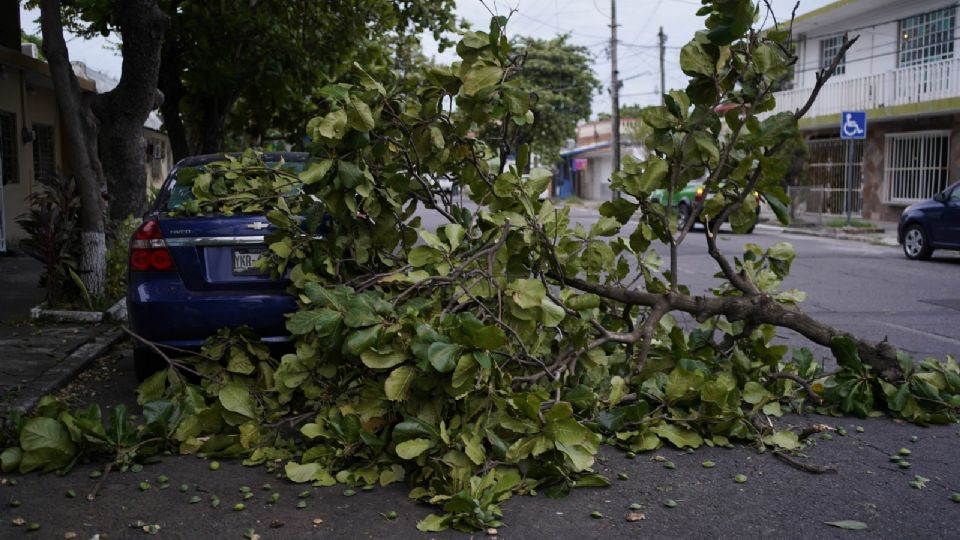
(38, 358)
(886, 236)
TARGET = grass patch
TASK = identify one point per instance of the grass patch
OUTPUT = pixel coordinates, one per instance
(838, 223)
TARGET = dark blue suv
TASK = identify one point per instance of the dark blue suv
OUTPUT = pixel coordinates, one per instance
(189, 276)
(931, 224)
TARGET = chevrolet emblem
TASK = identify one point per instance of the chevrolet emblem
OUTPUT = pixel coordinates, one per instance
(257, 225)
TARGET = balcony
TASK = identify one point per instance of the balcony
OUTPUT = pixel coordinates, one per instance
(902, 86)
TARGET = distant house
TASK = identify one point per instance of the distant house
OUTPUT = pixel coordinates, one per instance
(586, 167)
(31, 137)
(904, 71)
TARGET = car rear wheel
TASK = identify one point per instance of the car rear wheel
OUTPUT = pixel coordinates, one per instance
(146, 363)
(916, 245)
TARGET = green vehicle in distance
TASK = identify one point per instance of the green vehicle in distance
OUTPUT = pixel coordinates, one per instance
(684, 199)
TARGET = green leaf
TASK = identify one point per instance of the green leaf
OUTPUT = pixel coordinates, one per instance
(481, 78)
(46, 434)
(412, 448)
(844, 349)
(322, 321)
(433, 523)
(349, 173)
(333, 125)
(787, 440)
(754, 392)
(848, 524)
(527, 293)
(236, 398)
(694, 60)
(443, 356)
(361, 119)
(397, 385)
(376, 360)
(678, 436)
(362, 339)
(318, 171)
(300, 473)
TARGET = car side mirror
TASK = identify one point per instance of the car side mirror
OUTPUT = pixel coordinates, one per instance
(940, 197)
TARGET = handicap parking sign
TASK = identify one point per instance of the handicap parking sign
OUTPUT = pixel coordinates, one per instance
(853, 125)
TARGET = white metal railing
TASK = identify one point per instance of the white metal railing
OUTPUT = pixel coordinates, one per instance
(914, 84)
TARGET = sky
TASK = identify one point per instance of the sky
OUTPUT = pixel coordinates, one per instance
(587, 22)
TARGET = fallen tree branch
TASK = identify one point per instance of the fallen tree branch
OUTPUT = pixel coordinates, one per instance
(758, 309)
(805, 467)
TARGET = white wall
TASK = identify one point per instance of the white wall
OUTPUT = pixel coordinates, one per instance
(875, 51)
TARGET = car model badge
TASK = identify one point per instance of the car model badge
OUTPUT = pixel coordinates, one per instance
(257, 225)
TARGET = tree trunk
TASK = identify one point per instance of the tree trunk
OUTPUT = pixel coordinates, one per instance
(212, 130)
(80, 129)
(169, 82)
(123, 110)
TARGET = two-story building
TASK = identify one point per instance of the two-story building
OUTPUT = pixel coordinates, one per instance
(586, 167)
(904, 71)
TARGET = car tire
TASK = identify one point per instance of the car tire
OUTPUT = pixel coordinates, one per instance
(916, 243)
(683, 214)
(146, 363)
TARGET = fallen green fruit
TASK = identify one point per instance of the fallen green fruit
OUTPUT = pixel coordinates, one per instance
(904, 464)
(635, 506)
(905, 452)
(71, 493)
(740, 478)
(623, 476)
(391, 515)
(349, 493)
(596, 515)
(669, 465)
(239, 507)
(195, 499)
(708, 464)
(955, 497)
(301, 505)
(214, 465)
(670, 503)
(33, 526)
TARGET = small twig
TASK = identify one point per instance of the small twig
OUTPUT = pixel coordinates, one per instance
(96, 487)
(805, 467)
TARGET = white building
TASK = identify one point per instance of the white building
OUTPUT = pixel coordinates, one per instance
(585, 169)
(904, 70)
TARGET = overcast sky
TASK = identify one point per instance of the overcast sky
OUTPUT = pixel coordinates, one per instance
(587, 22)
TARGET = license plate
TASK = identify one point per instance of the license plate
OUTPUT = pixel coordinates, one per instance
(245, 262)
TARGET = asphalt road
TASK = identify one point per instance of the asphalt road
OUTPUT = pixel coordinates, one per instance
(871, 290)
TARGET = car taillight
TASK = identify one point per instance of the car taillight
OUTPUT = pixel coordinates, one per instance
(148, 249)
(699, 195)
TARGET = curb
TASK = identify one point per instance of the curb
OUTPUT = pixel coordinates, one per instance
(59, 375)
(886, 242)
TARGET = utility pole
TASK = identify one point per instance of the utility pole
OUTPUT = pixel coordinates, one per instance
(614, 88)
(663, 75)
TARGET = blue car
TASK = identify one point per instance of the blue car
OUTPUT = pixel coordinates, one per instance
(190, 276)
(931, 224)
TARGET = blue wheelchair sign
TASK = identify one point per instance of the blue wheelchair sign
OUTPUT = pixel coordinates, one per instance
(853, 125)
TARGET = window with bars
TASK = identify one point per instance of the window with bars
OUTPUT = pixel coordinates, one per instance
(828, 49)
(44, 162)
(8, 147)
(927, 37)
(916, 166)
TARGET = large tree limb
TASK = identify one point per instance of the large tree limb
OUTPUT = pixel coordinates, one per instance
(758, 309)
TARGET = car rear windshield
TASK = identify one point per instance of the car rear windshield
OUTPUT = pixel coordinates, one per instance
(177, 195)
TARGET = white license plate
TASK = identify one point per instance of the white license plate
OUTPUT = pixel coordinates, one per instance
(245, 262)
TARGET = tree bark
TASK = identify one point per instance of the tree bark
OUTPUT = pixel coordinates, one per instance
(169, 82)
(756, 309)
(80, 131)
(123, 110)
